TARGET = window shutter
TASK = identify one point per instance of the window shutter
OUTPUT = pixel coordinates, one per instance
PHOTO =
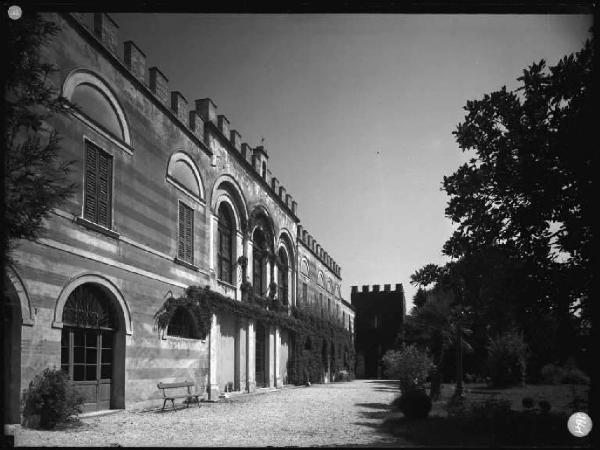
(189, 235)
(104, 189)
(181, 232)
(185, 239)
(90, 198)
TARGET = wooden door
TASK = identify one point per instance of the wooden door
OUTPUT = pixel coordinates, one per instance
(87, 356)
(87, 345)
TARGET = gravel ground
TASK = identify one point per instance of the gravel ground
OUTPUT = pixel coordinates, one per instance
(336, 414)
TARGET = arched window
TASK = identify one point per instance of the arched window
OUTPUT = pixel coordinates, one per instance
(182, 325)
(96, 105)
(259, 262)
(91, 101)
(225, 244)
(329, 285)
(282, 276)
(321, 280)
(184, 175)
(304, 267)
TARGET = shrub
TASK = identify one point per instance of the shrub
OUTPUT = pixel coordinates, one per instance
(552, 374)
(575, 376)
(50, 397)
(343, 375)
(507, 359)
(456, 406)
(527, 402)
(409, 365)
(544, 406)
(413, 403)
(568, 374)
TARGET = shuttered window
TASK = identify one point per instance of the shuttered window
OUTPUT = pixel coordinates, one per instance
(185, 247)
(98, 186)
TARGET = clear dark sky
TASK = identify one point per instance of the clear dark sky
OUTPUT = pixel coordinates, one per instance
(356, 111)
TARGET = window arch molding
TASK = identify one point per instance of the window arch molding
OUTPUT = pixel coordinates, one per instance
(260, 218)
(321, 279)
(22, 293)
(305, 268)
(84, 76)
(108, 286)
(225, 187)
(180, 156)
(286, 240)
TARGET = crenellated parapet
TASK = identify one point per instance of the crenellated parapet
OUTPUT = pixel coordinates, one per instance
(196, 117)
(377, 288)
(309, 242)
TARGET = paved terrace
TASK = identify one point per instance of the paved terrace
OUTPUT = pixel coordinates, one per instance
(336, 414)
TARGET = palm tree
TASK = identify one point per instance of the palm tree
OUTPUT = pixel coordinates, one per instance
(439, 324)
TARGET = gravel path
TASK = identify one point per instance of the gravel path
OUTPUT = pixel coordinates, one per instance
(336, 414)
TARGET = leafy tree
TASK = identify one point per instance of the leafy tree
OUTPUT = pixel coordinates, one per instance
(35, 179)
(420, 298)
(434, 326)
(525, 195)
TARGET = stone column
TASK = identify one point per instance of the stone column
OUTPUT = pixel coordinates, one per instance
(214, 223)
(249, 249)
(269, 266)
(238, 382)
(275, 275)
(291, 287)
(271, 357)
(239, 251)
(213, 340)
(277, 353)
(250, 354)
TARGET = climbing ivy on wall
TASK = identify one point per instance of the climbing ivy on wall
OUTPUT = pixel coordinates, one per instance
(315, 342)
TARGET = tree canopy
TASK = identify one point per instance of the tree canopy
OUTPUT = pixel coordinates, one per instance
(521, 252)
(36, 180)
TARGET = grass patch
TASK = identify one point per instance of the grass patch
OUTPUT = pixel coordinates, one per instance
(517, 426)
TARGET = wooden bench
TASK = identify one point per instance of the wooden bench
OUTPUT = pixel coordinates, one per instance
(178, 387)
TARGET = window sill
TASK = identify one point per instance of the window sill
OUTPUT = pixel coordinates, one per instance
(186, 264)
(226, 284)
(95, 227)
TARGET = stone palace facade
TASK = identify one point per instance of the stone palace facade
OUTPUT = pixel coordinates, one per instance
(169, 197)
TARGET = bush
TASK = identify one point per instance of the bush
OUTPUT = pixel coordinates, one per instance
(51, 398)
(409, 365)
(527, 402)
(413, 403)
(552, 374)
(507, 355)
(569, 374)
(545, 406)
(575, 376)
(456, 406)
(343, 375)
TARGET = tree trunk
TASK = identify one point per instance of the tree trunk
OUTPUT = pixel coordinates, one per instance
(459, 370)
(436, 377)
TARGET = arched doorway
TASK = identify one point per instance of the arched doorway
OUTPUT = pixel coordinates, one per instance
(11, 346)
(260, 359)
(93, 347)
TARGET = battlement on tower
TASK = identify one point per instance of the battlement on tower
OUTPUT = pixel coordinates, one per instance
(377, 288)
(198, 117)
